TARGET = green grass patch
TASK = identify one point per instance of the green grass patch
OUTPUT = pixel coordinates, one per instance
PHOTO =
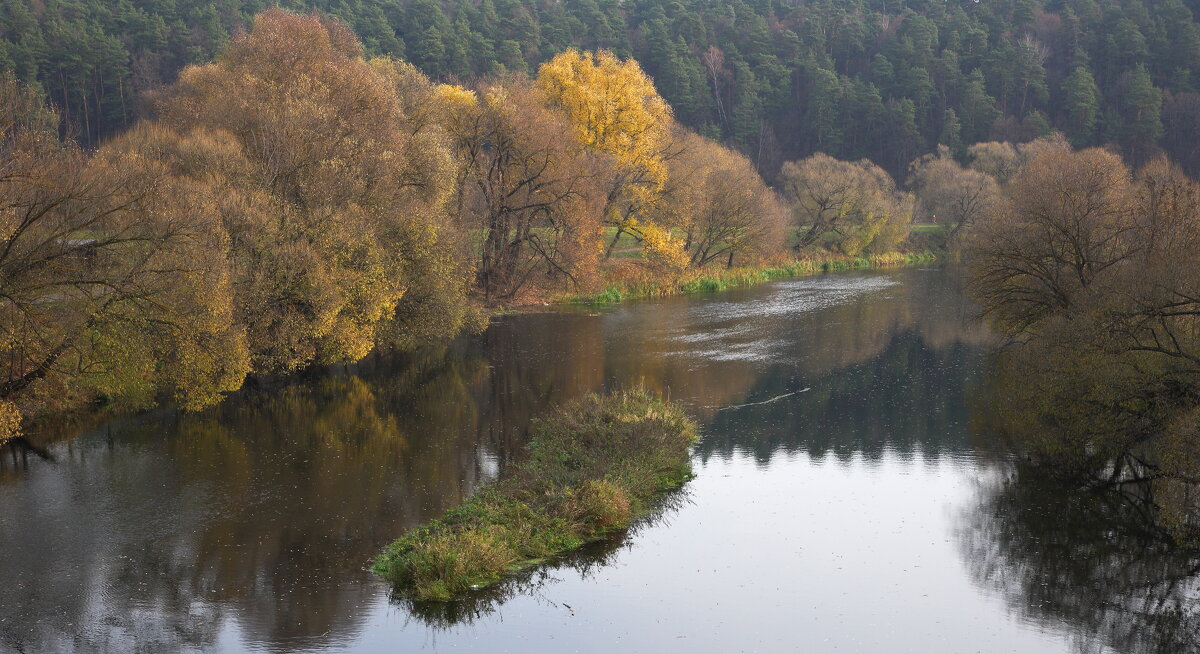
(928, 228)
(708, 280)
(594, 466)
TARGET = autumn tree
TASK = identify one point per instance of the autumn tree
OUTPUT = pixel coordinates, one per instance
(1001, 159)
(957, 196)
(343, 242)
(852, 206)
(1093, 273)
(1159, 308)
(106, 290)
(1067, 221)
(997, 159)
(616, 110)
(716, 199)
(529, 193)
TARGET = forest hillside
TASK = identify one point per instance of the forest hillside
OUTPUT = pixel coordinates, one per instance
(881, 79)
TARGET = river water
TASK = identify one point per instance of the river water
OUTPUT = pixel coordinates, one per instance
(848, 498)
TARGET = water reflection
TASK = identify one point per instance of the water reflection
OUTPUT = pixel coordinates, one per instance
(251, 526)
(1086, 559)
(157, 530)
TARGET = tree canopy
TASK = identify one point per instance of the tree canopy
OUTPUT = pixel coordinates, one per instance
(780, 81)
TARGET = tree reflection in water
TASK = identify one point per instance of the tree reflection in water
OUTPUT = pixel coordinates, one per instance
(256, 521)
(1088, 559)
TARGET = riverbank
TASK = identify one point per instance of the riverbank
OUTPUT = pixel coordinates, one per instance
(594, 466)
(635, 282)
(628, 280)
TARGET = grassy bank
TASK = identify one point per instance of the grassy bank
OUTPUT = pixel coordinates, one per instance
(639, 282)
(594, 466)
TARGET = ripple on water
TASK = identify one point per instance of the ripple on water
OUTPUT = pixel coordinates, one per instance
(726, 331)
(796, 296)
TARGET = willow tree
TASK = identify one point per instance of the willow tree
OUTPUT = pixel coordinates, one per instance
(105, 291)
(1002, 160)
(1094, 274)
(852, 206)
(1067, 223)
(348, 241)
(615, 109)
(717, 200)
(958, 197)
(529, 193)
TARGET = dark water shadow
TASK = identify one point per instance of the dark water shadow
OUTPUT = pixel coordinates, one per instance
(1091, 560)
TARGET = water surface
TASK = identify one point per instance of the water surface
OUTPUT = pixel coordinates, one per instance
(847, 499)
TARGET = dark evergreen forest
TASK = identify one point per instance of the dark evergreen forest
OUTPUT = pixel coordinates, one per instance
(881, 79)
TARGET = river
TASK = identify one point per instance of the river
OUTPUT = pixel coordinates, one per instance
(848, 498)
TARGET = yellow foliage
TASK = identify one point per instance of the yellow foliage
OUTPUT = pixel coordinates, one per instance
(615, 110)
(614, 107)
(456, 97)
(661, 245)
(10, 420)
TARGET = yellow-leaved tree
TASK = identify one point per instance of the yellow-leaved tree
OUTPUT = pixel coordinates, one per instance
(616, 110)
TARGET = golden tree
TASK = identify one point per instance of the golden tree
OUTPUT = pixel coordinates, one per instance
(615, 109)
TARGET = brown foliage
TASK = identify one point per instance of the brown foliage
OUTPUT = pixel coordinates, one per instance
(1067, 222)
(716, 198)
(106, 291)
(957, 196)
(1099, 274)
(530, 194)
(853, 207)
(339, 226)
(1002, 159)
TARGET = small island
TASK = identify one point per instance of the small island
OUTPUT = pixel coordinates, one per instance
(594, 466)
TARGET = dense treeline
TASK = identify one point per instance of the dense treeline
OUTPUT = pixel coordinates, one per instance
(294, 204)
(1092, 270)
(297, 202)
(854, 79)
